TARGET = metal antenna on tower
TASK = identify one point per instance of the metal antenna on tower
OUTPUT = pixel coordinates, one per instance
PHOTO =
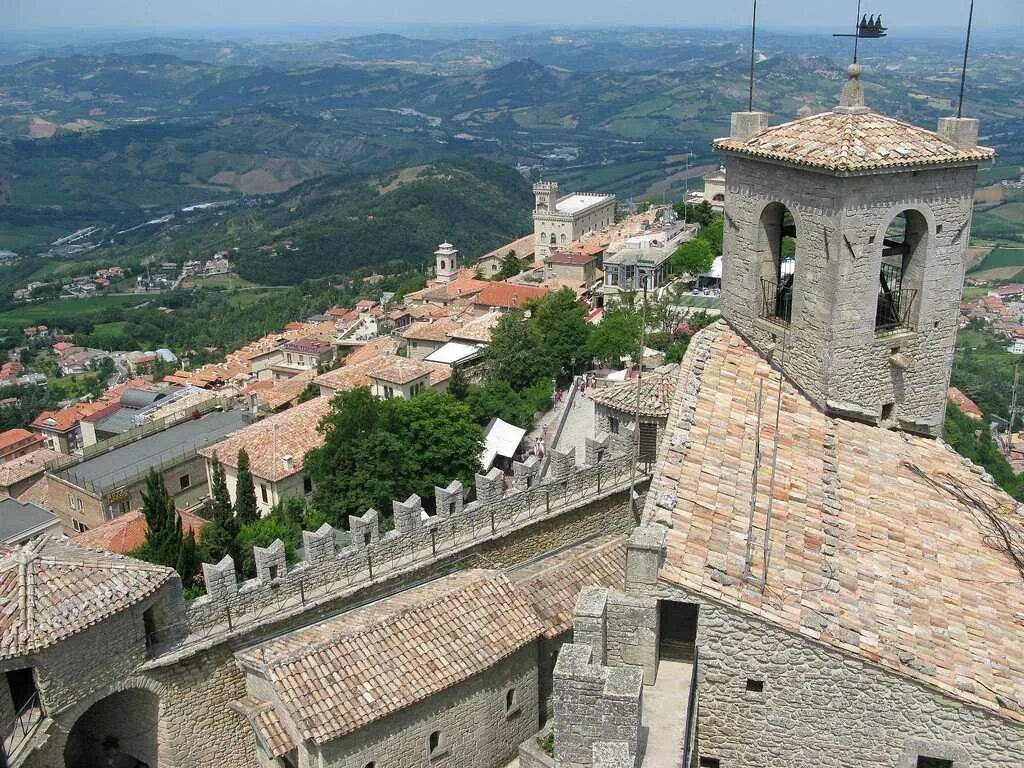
(753, 33)
(963, 70)
(863, 27)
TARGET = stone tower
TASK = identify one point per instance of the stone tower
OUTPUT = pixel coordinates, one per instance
(845, 235)
(545, 195)
(446, 263)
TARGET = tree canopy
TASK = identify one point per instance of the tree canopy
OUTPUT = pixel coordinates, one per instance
(617, 336)
(375, 451)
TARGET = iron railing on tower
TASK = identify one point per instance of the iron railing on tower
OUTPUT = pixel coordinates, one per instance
(776, 302)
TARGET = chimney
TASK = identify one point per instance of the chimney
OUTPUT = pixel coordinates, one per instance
(961, 131)
(289, 465)
(746, 124)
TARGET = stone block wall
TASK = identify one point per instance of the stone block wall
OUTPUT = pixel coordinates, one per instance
(594, 704)
(476, 727)
(831, 349)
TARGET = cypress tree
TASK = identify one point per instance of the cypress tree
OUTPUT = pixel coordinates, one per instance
(188, 559)
(246, 510)
(220, 500)
(163, 539)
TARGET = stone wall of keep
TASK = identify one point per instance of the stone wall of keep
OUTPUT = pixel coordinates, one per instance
(476, 730)
(824, 708)
(831, 349)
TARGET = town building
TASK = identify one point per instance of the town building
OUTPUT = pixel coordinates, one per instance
(277, 447)
(642, 260)
(302, 355)
(126, 533)
(22, 478)
(558, 221)
(965, 404)
(446, 263)
(109, 483)
(714, 189)
(62, 429)
(20, 522)
(424, 338)
(18, 442)
(504, 297)
(404, 378)
(618, 408)
(489, 265)
(579, 263)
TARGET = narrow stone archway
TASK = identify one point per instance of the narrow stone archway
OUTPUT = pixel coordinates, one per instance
(119, 730)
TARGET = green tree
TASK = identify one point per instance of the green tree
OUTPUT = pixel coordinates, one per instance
(699, 213)
(511, 265)
(617, 336)
(246, 510)
(693, 257)
(559, 325)
(220, 499)
(512, 355)
(375, 451)
(188, 559)
(458, 386)
(163, 534)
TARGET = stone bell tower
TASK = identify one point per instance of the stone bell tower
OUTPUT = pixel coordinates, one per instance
(845, 235)
(446, 263)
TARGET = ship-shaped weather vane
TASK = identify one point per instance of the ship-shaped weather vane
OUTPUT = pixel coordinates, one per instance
(867, 28)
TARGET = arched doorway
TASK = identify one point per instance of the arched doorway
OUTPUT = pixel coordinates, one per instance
(119, 731)
(778, 264)
(899, 280)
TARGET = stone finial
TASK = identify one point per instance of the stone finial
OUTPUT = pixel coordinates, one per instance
(525, 472)
(448, 501)
(318, 545)
(562, 463)
(364, 529)
(852, 96)
(644, 552)
(490, 487)
(588, 623)
(596, 448)
(270, 561)
(220, 579)
(743, 125)
(960, 131)
(408, 514)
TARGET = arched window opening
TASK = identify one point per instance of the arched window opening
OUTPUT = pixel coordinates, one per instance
(778, 268)
(563, 238)
(902, 263)
(442, 264)
(718, 198)
(554, 240)
(543, 236)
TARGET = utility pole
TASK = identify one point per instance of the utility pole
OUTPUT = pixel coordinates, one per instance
(1013, 408)
(636, 423)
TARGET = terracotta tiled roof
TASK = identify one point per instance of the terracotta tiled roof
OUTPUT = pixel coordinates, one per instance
(873, 549)
(523, 248)
(348, 377)
(466, 284)
(11, 437)
(843, 140)
(554, 583)
(478, 329)
(508, 295)
(383, 345)
(66, 418)
(287, 390)
(439, 330)
(401, 370)
(266, 724)
(126, 532)
(52, 588)
(965, 404)
(353, 669)
(23, 467)
(290, 433)
(655, 394)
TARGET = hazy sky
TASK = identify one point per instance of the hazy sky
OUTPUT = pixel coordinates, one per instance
(907, 15)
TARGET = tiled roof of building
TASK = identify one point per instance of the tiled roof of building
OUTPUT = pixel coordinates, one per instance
(11, 437)
(66, 418)
(383, 345)
(965, 404)
(24, 467)
(508, 295)
(309, 346)
(883, 545)
(576, 257)
(52, 588)
(266, 724)
(401, 370)
(464, 285)
(348, 377)
(655, 395)
(288, 390)
(553, 583)
(268, 442)
(126, 532)
(523, 247)
(439, 330)
(478, 329)
(360, 666)
(850, 140)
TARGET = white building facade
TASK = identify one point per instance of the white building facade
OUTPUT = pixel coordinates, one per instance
(560, 221)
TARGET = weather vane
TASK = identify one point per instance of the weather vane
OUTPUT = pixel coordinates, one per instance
(866, 29)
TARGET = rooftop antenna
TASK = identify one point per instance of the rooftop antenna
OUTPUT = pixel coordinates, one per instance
(753, 33)
(863, 27)
(963, 71)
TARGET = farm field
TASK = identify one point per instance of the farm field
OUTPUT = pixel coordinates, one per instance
(54, 311)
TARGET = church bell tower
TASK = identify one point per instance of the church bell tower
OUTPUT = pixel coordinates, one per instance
(446, 263)
(845, 236)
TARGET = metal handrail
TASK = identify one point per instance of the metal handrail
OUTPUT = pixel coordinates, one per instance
(892, 312)
(776, 302)
(23, 723)
(690, 742)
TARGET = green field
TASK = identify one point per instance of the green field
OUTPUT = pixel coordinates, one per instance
(53, 312)
(972, 292)
(246, 297)
(1002, 256)
(230, 280)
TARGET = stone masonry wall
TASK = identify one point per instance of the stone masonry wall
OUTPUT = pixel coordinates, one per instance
(476, 729)
(823, 708)
(831, 349)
